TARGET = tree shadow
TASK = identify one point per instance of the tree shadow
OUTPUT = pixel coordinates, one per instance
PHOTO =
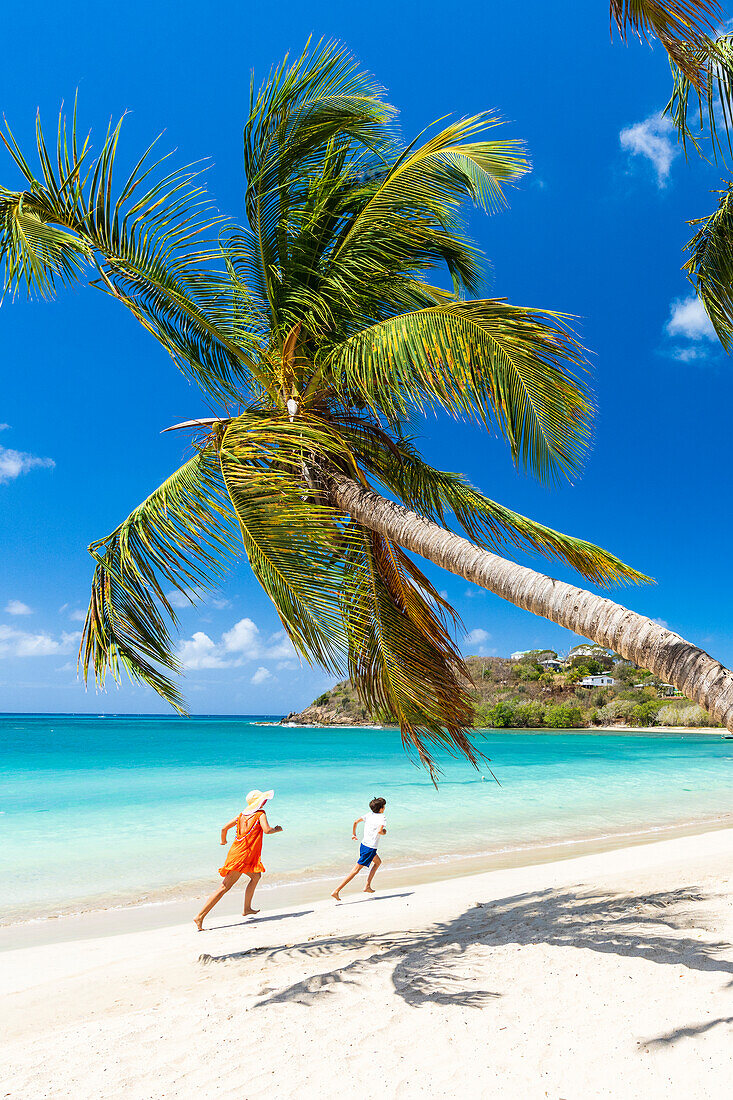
(428, 962)
(690, 1032)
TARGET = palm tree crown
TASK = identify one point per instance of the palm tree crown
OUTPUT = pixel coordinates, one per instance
(317, 331)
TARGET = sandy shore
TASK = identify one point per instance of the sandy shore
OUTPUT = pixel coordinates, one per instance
(607, 975)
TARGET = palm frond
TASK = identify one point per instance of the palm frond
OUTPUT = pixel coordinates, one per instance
(709, 100)
(401, 658)
(147, 243)
(295, 541)
(180, 535)
(435, 493)
(505, 365)
(440, 175)
(710, 265)
(680, 25)
(297, 114)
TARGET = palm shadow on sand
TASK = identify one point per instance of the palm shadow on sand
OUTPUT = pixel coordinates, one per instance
(428, 962)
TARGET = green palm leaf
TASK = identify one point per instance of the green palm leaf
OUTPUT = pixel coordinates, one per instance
(401, 657)
(707, 98)
(146, 244)
(180, 535)
(680, 25)
(710, 266)
(505, 365)
(294, 540)
(435, 493)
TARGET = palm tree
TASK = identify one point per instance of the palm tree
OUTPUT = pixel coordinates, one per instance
(317, 332)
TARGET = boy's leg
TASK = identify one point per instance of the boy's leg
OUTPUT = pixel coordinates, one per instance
(249, 893)
(347, 880)
(376, 864)
(226, 885)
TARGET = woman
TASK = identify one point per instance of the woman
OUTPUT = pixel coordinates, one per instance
(243, 858)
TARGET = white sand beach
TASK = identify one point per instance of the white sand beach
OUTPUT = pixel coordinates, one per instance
(607, 975)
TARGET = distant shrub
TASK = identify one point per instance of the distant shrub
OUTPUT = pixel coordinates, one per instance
(323, 699)
(636, 695)
(645, 714)
(617, 710)
(686, 715)
(529, 715)
(499, 716)
(563, 716)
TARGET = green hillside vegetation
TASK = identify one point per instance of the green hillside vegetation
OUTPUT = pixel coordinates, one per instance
(524, 693)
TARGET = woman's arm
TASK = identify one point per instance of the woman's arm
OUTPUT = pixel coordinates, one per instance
(267, 827)
(226, 829)
(353, 828)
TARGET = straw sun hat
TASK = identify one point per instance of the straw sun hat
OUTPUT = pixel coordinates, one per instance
(257, 799)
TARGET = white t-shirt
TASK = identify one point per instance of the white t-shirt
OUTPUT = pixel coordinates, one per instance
(372, 824)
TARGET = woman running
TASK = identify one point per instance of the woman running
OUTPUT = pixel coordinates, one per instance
(243, 858)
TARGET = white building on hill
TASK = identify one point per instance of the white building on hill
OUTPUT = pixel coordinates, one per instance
(601, 681)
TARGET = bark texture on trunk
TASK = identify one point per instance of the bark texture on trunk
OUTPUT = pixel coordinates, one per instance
(697, 675)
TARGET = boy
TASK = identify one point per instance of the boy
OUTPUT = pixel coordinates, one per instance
(373, 829)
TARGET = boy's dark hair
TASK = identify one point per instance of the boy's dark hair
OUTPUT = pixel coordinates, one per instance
(377, 804)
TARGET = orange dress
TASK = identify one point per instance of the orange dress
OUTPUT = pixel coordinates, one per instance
(244, 854)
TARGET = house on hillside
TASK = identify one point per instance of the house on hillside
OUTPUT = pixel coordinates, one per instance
(550, 664)
(518, 656)
(601, 681)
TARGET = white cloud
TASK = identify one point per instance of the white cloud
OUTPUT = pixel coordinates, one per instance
(17, 607)
(688, 355)
(476, 640)
(200, 651)
(261, 675)
(190, 596)
(77, 616)
(279, 647)
(21, 643)
(15, 463)
(238, 645)
(652, 139)
(242, 638)
(661, 622)
(689, 319)
(4, 427)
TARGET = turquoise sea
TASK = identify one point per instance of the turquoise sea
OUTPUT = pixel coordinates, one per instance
(110, 811)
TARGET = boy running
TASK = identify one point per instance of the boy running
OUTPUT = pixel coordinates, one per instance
(373, 829)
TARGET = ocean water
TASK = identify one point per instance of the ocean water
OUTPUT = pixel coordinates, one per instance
(110, 811)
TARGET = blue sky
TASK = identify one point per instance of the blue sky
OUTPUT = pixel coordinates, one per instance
(596, 230)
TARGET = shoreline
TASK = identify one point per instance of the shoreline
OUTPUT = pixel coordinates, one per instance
(618, 959)
(650, 731)
(148, 914)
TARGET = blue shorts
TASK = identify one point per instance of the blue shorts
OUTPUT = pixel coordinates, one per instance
(366, 855)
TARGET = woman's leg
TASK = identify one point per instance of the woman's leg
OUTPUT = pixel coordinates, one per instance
(249, 893)
(376, 864)
(226, 885)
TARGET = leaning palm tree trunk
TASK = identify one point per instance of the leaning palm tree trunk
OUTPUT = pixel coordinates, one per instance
(667, 655)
